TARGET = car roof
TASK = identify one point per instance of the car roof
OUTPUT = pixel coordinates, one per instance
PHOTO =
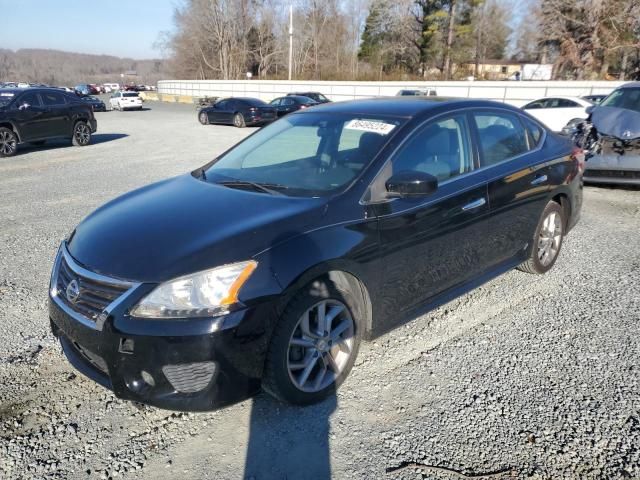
(17, 91)
(630, 85)
(404, 106)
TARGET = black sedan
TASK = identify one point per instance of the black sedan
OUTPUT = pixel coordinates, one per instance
(317, 96)
(96, 104)
(238, 111)
(268, 266)
(291, 103)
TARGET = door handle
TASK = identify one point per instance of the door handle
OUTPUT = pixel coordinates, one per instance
(475, 204)
(538, 180)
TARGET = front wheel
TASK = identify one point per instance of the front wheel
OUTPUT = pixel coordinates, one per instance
(238, 120)
(81, 134)
(203, 118)
(547, 240)
(8, 142)
(314, 345)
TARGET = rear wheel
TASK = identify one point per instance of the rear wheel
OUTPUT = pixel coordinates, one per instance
(8, 142)
(314, 345)
(547, 240)
(238, 120)
(81, 134)
(204, 118)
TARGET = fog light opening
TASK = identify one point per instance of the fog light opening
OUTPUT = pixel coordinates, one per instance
(147, 378)
(126, 345)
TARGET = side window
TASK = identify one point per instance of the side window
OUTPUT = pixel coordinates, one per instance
(502, 136)
(223, 104)
(564, 103)
(51, 99)
(534, 131)
(276, 102)
(534, 105)
(287, 102)
(553, 103)
(441, 149)
(30, 99)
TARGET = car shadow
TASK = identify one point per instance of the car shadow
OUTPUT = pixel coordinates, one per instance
(289, 441)
(96, 138)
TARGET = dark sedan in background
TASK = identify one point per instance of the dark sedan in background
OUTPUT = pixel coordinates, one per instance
(35, 115)
(266, 267)
(238, 111)
(291, 103)
(96, 104)
(317, 96)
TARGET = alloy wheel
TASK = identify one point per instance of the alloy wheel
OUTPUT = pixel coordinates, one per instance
(320, 346)
(8, 143)
(82, 133)
(550, 238)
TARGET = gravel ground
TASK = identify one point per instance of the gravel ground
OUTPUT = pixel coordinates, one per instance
(525, 377)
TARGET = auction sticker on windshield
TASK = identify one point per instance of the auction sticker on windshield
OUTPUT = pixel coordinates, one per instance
(370, 126)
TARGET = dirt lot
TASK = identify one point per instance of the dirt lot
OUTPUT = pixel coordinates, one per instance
(526, 377)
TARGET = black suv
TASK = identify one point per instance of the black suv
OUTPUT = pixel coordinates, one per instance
(35, 115)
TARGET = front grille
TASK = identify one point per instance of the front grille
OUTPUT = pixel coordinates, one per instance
(189, 377)
(630, 174)
(93, 295)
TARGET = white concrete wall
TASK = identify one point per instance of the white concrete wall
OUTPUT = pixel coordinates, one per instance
(516, 93)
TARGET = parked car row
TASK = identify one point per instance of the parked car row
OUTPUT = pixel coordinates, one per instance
(246, 111)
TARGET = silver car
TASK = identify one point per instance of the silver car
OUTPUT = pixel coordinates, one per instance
(611, 138)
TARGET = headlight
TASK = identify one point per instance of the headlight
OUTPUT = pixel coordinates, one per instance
(203, 294)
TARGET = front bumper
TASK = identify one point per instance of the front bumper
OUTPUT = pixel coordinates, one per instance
(188, 365)
(613, 169)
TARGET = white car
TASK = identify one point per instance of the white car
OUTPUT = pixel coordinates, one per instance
(112, 86)
(125, 101)
(556, 112)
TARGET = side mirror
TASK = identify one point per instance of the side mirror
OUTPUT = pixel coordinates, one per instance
(24, 106)
(411, 183)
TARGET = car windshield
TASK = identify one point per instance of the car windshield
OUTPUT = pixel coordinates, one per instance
(305, 155)
(6, 98)
(628, 98)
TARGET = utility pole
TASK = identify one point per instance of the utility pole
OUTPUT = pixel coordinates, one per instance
(290, 39)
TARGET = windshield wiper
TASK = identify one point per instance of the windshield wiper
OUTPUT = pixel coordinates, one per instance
(270, 188)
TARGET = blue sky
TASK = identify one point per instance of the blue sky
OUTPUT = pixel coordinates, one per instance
(125, 28)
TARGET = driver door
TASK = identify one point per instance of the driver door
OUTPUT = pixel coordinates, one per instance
(30, 117)
(434, 243)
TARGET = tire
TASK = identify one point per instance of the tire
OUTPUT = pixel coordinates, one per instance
(81, 134)
(238, 120)
(8, 142)
(305, 374)
(547, 240)
(203, 118)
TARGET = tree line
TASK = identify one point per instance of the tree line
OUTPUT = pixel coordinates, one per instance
(55, 67)
(401, 39)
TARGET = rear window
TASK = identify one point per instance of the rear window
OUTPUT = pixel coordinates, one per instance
(132, 94)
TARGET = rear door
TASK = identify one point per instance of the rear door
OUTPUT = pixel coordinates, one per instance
(432, 244)
(518, 178)
(57, 113)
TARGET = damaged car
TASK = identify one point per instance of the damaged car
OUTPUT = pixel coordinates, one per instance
(610, 138)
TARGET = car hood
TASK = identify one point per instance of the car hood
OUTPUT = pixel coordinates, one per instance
(182, 225)
(616, 122)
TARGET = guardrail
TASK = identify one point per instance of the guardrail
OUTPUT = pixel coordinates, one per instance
(515, 93)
